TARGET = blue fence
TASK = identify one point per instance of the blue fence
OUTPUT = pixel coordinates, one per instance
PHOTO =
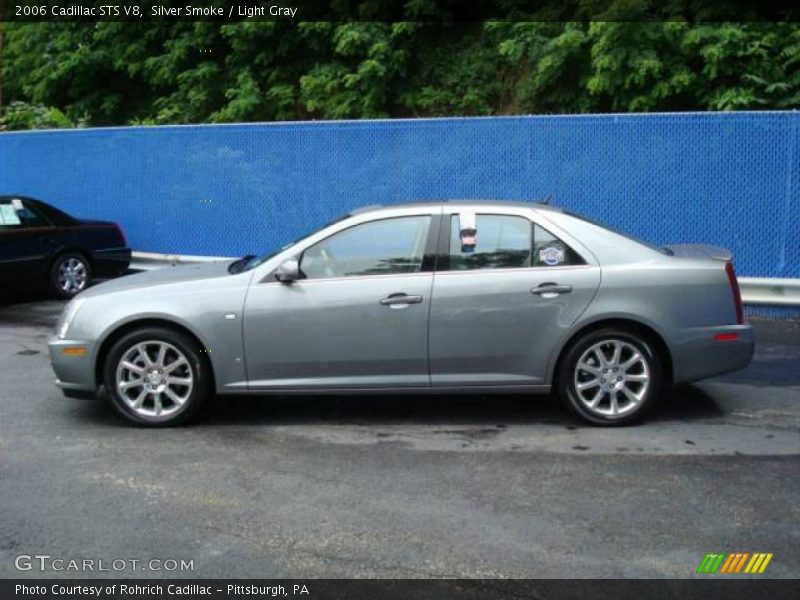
(727, 179)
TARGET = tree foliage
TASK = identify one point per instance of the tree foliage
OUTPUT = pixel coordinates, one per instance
(189, 72)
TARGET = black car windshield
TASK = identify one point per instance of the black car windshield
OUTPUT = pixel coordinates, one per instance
(251, 262)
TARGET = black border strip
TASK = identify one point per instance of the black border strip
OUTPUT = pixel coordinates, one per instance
(435, 11)
(386, 589)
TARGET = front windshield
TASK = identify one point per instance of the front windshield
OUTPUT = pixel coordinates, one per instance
(252, 262)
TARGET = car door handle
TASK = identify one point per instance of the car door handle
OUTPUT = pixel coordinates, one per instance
(546, 289)
(395, 299)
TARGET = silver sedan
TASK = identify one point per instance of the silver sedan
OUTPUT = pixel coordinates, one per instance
(418, 298)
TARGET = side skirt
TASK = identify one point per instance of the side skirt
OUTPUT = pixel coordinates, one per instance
(395, 391)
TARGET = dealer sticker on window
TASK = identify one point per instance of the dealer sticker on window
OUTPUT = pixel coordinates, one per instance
(551, 256)
(7, 215)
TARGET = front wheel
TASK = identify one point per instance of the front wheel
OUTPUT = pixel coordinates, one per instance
(156, 377)
(610, 377)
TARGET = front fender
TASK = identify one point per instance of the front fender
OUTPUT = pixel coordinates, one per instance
(213, 317)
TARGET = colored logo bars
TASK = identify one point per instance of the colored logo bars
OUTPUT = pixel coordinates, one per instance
(735, 563)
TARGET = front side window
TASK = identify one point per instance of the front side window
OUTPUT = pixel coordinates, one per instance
(9, 219)
(384, 247)
(500, 242)
(14, 213)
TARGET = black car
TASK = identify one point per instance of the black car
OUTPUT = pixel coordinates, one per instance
(41, 246)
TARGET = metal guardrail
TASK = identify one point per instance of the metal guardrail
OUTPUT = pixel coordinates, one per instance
(755, 290)
(770, 291)
(149, 261)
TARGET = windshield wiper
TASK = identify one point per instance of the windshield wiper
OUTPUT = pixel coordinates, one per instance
(238, 265)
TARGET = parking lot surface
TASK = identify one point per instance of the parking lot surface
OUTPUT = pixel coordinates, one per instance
(396, 487)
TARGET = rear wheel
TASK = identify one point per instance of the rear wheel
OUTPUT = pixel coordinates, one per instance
(610, 377)
(156, 377)
(70, 274)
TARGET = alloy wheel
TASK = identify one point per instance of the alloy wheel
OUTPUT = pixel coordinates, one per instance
(154, 379)
(612, 378)
(72, 275)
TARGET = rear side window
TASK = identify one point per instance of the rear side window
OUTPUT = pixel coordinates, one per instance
(549, 251)
(51, 213)
(31, 217)
(506, 242)
(501, 242)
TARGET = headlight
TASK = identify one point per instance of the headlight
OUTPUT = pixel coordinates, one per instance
(66, 318)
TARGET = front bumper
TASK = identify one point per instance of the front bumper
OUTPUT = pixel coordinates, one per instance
(702, 352)
(74, 370)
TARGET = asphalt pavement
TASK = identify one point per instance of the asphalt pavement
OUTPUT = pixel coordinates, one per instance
(396, 487)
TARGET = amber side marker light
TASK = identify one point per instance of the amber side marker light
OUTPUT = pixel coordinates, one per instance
(726, 337)
(74, 351)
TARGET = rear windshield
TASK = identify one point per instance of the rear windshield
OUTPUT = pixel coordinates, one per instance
(660, 249)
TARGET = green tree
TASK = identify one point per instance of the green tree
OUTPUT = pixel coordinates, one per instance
(20, 115)
(182, 72)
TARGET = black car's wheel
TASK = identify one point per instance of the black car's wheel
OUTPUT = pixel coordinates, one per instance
(156, 377)
(70, 274)
(610, 377)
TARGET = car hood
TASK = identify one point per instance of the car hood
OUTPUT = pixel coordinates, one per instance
(165, 276)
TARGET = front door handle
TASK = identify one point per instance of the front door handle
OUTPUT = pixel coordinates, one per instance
(551, 290)
(400, 299)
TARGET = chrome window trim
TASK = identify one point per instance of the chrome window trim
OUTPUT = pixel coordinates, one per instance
(352, 278)
(262, 274)
(516, 269)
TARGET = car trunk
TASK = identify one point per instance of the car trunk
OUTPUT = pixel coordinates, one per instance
(723, 255)
(700, 251)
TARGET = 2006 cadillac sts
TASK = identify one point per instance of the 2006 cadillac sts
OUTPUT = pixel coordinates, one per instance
(433, 297)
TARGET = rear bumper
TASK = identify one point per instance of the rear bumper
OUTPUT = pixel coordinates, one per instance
(111, 262)
(702, 352)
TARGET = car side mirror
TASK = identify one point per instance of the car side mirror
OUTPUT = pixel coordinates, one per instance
(288, 271)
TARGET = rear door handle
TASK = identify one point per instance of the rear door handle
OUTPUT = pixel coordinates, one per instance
(400, 299)
(550, 290)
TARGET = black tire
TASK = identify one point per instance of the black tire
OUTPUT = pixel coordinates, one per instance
(629, 412)
(197, 368)
(63, 261)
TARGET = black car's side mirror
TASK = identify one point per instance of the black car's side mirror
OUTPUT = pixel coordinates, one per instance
(288, 271)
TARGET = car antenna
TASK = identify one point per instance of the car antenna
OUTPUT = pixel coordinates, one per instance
(547, 199)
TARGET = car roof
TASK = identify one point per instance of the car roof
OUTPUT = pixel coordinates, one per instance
(434, 203)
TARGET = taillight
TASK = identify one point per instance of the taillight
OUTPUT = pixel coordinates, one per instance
(121, 235)
(737, 295)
